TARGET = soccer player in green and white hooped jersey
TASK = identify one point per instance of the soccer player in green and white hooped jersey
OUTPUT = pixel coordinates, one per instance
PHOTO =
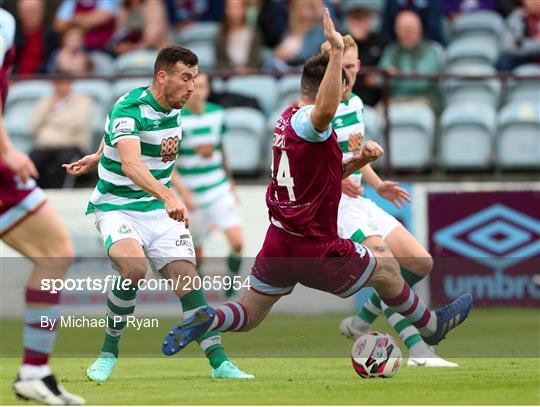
(203, 178)
(137, 214)
(361, 220)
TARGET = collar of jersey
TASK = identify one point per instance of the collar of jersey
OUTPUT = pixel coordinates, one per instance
(153, 102)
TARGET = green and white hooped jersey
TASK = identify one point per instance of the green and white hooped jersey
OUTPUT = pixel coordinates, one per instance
(204, 175)
(349, 126)
(136, 115)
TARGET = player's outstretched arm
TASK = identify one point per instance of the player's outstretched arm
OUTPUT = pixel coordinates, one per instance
(329, 94)
(370, 152)
(389, 190)
(85, 164)
(135, 170)
(15, 160)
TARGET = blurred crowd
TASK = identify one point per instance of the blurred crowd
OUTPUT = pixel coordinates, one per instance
(409, 36)
(57, 35)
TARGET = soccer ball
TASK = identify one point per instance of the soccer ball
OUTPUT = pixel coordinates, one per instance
(376, 354)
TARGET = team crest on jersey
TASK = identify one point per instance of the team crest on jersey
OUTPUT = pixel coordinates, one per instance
(361, 250)
(169, 149)
(124, 228)
(355, 142)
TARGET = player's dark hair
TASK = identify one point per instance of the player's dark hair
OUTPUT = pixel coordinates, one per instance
(170, 55)
(313, 74)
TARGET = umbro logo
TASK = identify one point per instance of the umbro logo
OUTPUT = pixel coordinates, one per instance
(156, 123)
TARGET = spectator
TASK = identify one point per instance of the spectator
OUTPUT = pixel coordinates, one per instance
(95, 17)
(304, 36)
(141, 24)
(359, 23)
(237, 45)
(429, 12)
(186, 12)
(273, 20)
(521, 44)
(454, 8)
(72, 58)
(61, 127)
(411, 54)
(34, 42)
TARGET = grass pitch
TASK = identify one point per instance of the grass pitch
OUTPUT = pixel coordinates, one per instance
(299, 360)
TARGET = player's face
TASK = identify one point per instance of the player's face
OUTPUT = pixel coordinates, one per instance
(351, 65)
(180, 84)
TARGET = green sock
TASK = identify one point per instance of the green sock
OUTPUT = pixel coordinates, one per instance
(372, 307)
(234, 262)
(120, 305)
(406, 331)
(210, 342)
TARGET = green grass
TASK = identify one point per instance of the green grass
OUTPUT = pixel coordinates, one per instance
(299, 360)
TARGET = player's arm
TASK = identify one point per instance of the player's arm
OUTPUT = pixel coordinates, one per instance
(389, 190)
(132, 165)
(329, 94)
(86, 163)
(15, 160)
(370, 152)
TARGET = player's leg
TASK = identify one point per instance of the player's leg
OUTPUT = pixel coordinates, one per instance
(396, 293)
(174, 258)
(194, 307)
(235, 236)
(124, 247)
(415, 263)
(51, 257)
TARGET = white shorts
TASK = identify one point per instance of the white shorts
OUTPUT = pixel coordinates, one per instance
(163, 239)
(360, 217)
(224, 213)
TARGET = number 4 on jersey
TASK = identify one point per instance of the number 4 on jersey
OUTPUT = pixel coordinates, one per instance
(283, 176)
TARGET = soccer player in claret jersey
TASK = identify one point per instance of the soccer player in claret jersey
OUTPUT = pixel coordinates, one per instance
(137, 214)
(30, 225)
(302, 243)
(203, 179)
(362, 221)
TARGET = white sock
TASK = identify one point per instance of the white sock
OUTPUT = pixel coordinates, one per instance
(34, 372)
(419, 350)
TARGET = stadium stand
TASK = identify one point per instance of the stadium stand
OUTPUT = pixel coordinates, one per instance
(471, 90)
(518, 138)
(411, 136)
(261, 87)
(525, 90)
(198, 33)
(467, 135)
(480, 24)
(135, 62)
(244, 139)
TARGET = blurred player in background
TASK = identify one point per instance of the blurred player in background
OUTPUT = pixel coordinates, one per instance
(137, 214)
(203, 179)
(25, 219)
(362, 221)
(302, 243)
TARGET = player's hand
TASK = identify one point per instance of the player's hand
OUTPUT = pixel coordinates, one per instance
(83, 165)
(334, 38)
(20, 164)
(351, 188)
(391, 191)
(177, 210)
(371, 151)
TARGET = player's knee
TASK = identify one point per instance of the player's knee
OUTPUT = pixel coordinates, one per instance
(237, 246)
(386, 273)
(135, 271)
(423, 265)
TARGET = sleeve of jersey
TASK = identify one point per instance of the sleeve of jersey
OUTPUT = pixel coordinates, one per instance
(124, 124)
(7, 33)
(302, 125)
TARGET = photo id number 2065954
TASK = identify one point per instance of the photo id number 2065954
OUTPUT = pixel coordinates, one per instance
(215, 283)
